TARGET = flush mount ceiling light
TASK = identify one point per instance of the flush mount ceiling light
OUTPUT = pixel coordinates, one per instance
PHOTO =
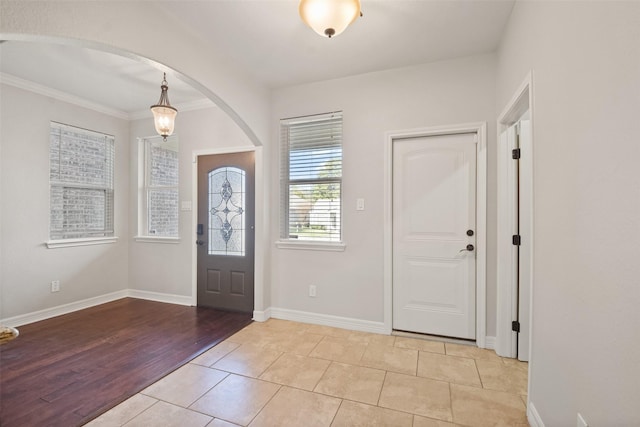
(329, 17)
(164, 115)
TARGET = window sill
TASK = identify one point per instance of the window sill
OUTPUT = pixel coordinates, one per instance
(88, 241)
(307, 245)
(149, 239)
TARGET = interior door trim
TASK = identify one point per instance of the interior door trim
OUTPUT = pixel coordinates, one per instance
(261, 225)
(480, 129)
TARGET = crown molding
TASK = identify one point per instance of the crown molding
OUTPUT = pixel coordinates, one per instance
(12, 80)
(30, 86)
(199, 104)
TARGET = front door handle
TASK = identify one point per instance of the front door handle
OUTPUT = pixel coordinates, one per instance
(199, 242)
(469, 248)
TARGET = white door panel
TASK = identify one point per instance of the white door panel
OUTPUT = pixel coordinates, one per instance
(433, 207)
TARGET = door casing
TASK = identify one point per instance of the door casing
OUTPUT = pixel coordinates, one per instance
(259, 309)
(520, 104)
(480, 129)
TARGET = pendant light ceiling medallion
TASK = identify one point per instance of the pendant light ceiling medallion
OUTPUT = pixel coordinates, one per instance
(329, 17)
(164, 115)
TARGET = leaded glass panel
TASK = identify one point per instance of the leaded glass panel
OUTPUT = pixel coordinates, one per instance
(227, 191)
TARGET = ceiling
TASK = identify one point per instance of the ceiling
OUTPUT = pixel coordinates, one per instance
(267, 38)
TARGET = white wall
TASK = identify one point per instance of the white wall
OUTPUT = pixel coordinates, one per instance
(27, 266)
(585, 58)
(350, 284)
(167, 268)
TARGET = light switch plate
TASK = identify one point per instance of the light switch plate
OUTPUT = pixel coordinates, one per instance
(359, 204)
(186, 206)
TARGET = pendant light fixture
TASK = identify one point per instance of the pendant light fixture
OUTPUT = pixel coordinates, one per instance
(329, 17)
(164, 115)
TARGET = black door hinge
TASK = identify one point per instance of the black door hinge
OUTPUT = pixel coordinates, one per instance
(515, 239)
(515, 326)
(515, 153)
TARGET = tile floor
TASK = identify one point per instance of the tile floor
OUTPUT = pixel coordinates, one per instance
(281, 373)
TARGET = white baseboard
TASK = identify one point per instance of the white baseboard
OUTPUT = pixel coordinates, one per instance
(261, 316)
(328, 320)
(48, 313)
(490, 343)
(160, 297)
(533, 417)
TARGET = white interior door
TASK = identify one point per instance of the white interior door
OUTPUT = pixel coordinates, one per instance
(434, 217)
(525, 222)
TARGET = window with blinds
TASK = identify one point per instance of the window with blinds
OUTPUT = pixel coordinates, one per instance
(81, 166)
(160, 198)
(311, 177)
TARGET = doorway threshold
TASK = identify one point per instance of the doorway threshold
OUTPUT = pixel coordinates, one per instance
(439, 338)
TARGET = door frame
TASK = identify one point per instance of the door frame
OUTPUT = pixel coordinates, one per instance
(260, 225)
(520, 103)
(480, 129)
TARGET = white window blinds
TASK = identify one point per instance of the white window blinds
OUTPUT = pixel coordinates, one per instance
(81, 182)
(311, 177)
(160, 204)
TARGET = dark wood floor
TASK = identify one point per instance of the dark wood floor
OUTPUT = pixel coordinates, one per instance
(67, 370)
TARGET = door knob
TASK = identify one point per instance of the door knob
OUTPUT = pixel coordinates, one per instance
(469, 248)
(199, 242)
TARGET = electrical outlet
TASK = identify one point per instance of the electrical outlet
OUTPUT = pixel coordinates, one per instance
(312, 290)
(581, 422)
(55, 286)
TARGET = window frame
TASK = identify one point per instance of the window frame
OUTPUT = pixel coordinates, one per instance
(86, 236)
(145, 189)
(285, 241)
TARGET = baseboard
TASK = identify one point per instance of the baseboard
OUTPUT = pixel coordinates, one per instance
(48, 313)
(160, 297)
(490, 343)
(328, 320)
(533, 417)
(261, 316)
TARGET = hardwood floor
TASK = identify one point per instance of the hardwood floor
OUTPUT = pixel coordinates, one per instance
(69, 369)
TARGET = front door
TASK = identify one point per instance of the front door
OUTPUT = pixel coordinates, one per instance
(225, 231)
(434, 226)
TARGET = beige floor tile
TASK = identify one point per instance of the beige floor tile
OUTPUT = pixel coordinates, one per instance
(248, 359)
(293, 407)
(420, 396)
(164, 414)
(296, 371)
(516, 363)
(352, 382)
(124, 412)
(220, 423)
(370, 338)
(478, 407)
(499, 376)
(418, 344)
(236, 399)
(184, 386)
(459, 370)
(215, 353)
(470, 351)
(339, 350)
(291, 342)
(328, 331)
(419, 421)
(353, 414)
(394, 359)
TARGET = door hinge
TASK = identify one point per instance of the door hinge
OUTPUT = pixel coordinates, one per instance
(515, 239)
(515, 153)
(515, 326)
